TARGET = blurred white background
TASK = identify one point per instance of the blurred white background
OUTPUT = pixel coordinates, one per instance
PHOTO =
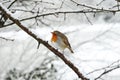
(94, 37)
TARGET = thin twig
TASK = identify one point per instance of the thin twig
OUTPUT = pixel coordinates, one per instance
(7, 39)
(88, 19)
(12, 4)
(107, 69)
(100, 2)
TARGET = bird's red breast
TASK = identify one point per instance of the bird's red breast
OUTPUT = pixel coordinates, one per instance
(54, 37)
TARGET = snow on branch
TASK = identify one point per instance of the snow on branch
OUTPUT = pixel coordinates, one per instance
(56, 52)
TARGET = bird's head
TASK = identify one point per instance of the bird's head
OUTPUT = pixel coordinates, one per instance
(54, 36)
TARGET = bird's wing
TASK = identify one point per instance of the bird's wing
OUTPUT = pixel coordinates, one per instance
(69, 46)
(65, 40)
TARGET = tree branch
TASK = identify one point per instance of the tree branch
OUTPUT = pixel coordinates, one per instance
(88, 9)
(113, 66)
(56, 52)
(66, 12)
(7, 39)
(3, 18)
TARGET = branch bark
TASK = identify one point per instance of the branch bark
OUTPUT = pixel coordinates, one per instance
(56, 52)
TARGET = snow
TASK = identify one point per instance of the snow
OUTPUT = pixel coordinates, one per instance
(97, 53)
(95, 46)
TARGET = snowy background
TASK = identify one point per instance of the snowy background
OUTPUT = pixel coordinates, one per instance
(95, 46)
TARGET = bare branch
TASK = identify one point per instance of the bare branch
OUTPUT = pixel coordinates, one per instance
(12, 4)
(113, 66)
(88, 19)
(94, 9)
(100, 2)
(4, 18)
(107, 71)
(88, 9)
(66, 12)
(7, 39)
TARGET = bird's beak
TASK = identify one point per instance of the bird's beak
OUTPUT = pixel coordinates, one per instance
(52, 32)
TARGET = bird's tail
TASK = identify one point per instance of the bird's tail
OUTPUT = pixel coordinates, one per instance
(71, 50)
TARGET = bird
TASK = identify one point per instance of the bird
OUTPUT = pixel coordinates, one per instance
(61, 41)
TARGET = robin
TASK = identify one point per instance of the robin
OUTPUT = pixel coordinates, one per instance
(60, 40)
